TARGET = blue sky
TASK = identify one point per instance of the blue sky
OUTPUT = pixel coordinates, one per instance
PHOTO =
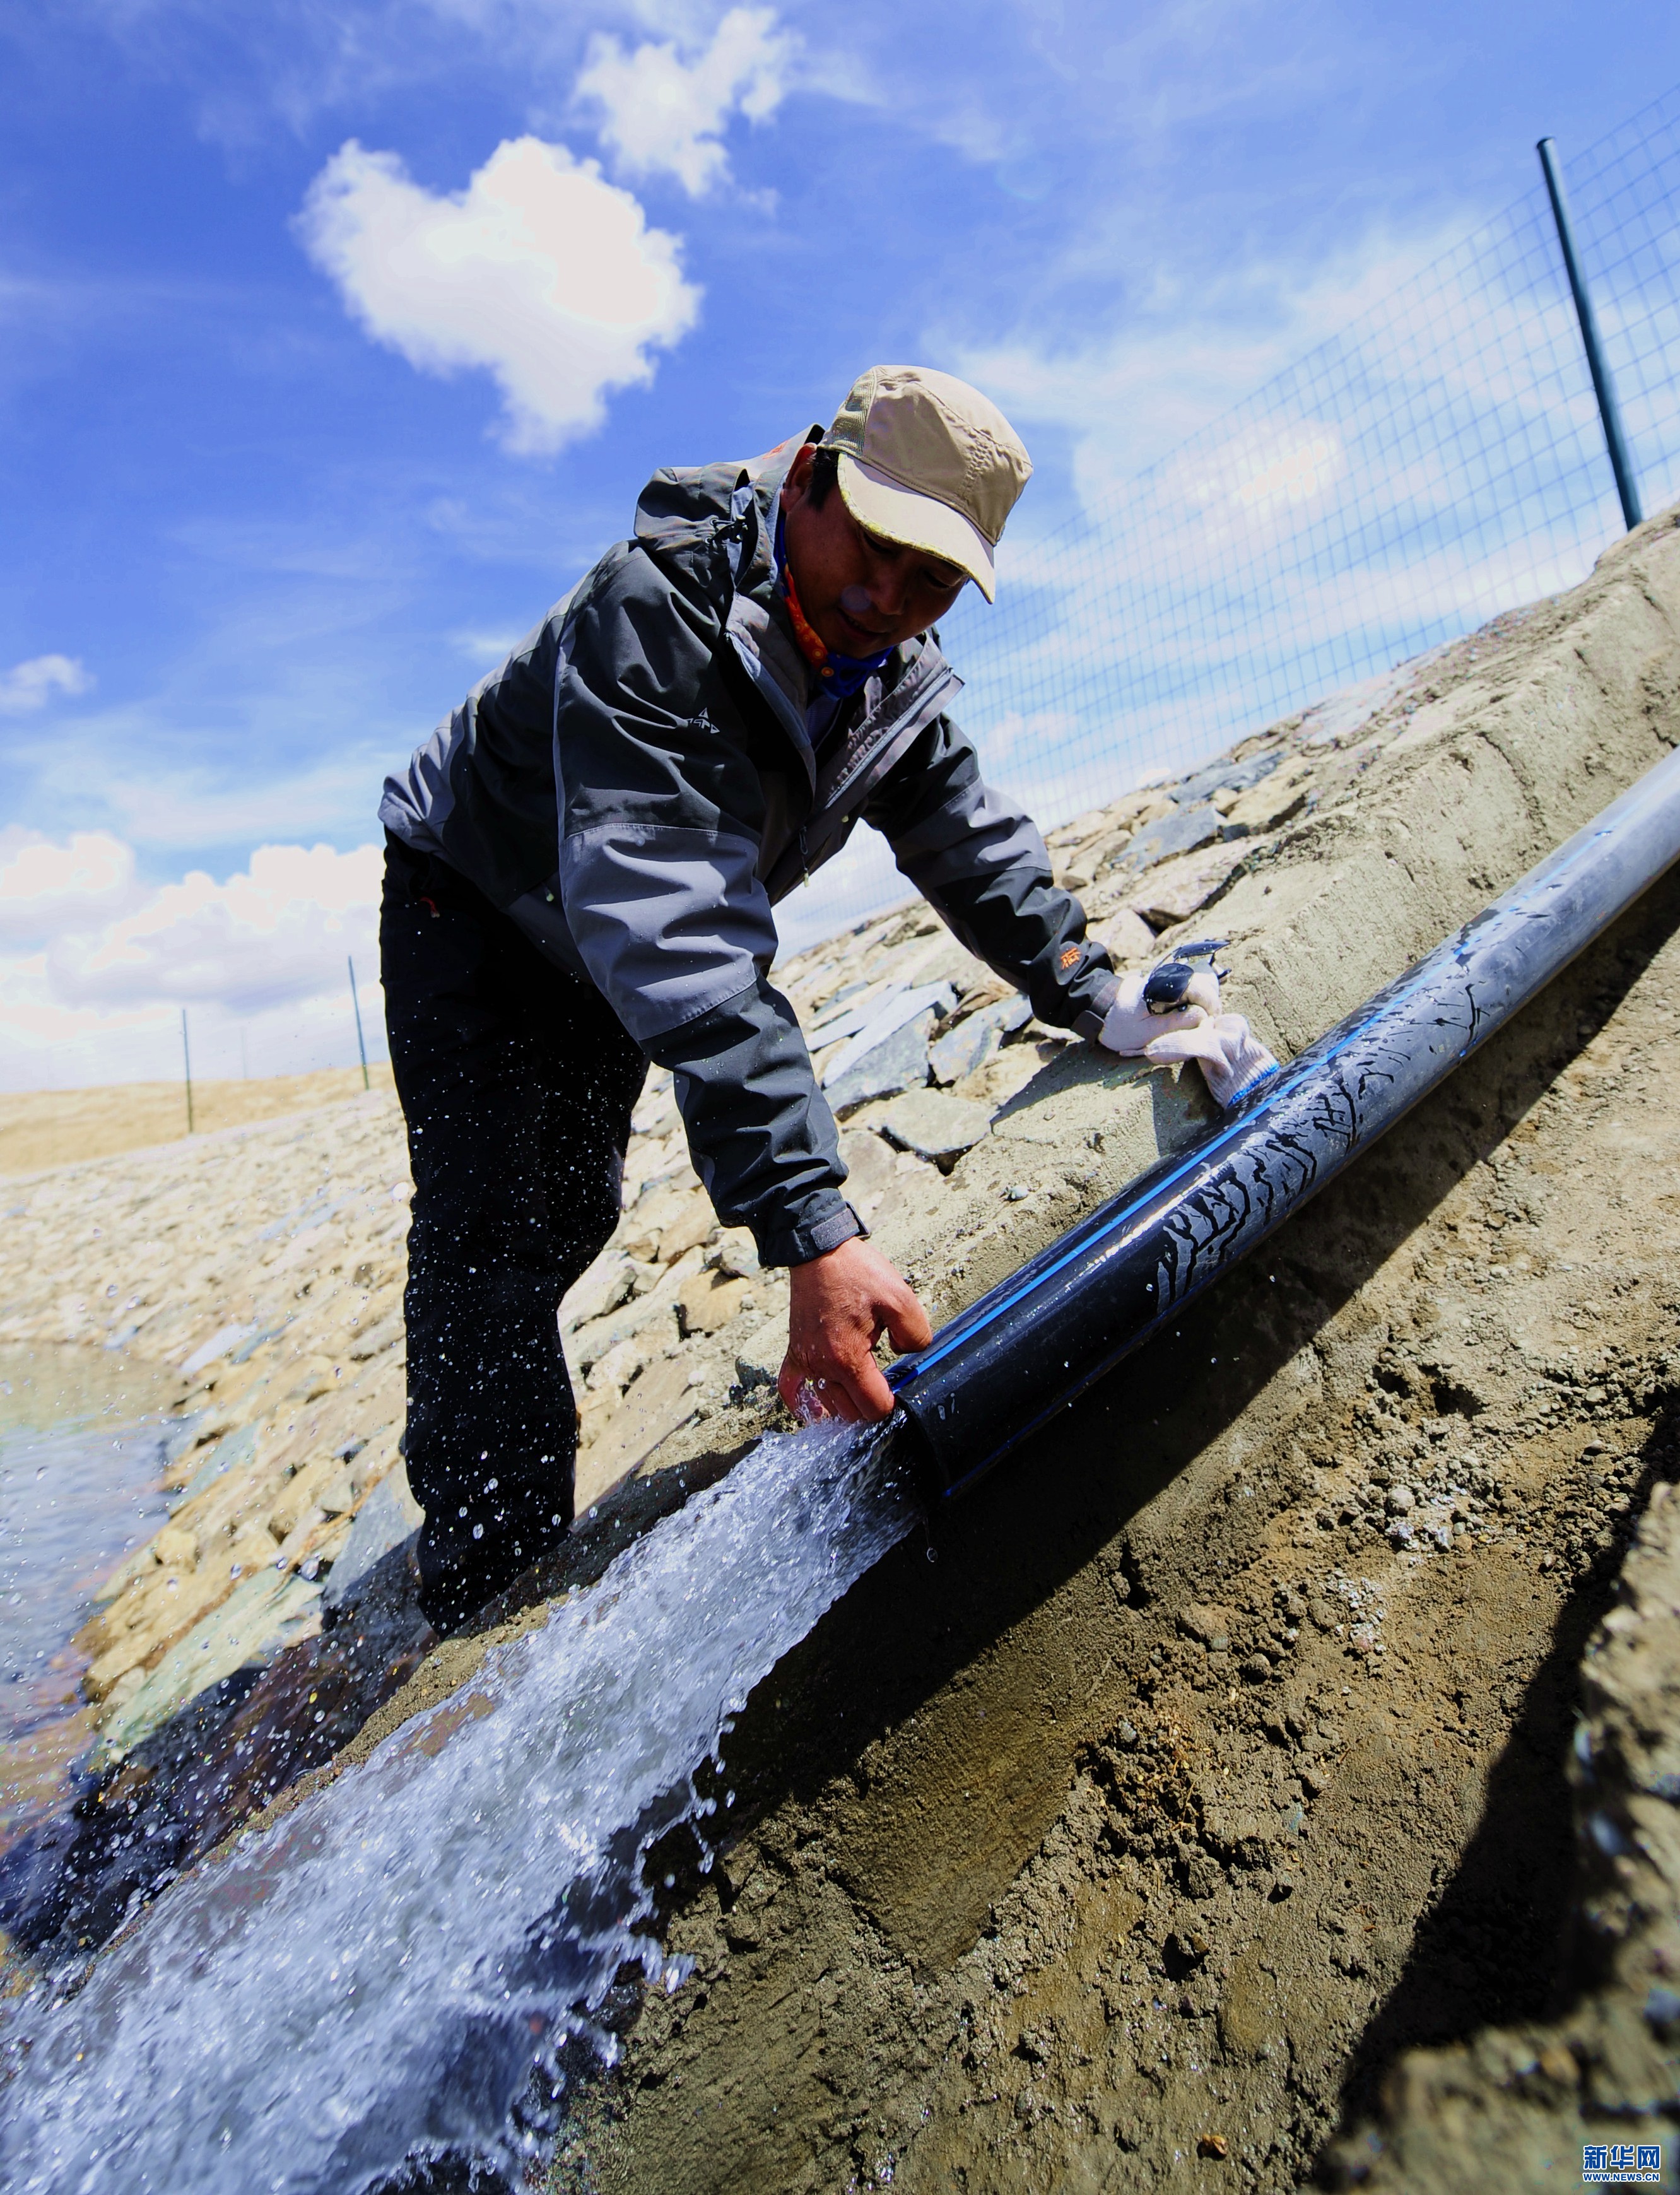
(293, 440)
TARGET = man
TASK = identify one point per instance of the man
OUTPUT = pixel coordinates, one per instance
(581, 866)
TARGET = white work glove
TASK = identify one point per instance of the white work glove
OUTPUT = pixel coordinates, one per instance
(1129, 1028)
(1232, 1059)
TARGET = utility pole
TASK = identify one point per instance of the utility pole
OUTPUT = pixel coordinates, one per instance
(1603, 386)
(360, 1045)
(187, 1063)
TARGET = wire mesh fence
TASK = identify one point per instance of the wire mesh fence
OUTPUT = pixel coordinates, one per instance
(306, 1036)
(1440, 460)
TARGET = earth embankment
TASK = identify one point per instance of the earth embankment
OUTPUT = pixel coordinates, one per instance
(1221, 1758)
(1218, 1760)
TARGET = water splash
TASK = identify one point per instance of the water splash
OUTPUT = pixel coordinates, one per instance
(379, 1973)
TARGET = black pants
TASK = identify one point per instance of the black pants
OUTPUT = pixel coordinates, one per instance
(517, 1083)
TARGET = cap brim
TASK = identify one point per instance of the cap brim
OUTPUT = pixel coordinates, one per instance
(918, 521)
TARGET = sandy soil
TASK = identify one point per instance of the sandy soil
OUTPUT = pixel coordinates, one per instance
(42, 1128)
(1219, 1761)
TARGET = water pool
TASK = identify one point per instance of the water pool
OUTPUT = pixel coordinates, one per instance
(82, 1437)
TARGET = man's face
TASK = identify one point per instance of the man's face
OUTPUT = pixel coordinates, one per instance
(860, 594)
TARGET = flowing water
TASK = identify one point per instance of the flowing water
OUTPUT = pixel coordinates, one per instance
(379, 1974)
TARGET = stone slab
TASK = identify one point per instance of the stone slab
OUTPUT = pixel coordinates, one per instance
(388, 1516)
(935, 1126)
(663, 1398)
(263, 1615)
(899, 1063)
(968, 1046)
(1181, 832)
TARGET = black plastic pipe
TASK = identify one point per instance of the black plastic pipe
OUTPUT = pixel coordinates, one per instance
(1030, 1345)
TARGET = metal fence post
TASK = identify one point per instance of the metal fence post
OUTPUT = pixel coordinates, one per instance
(357, 1005)
(1603, 386)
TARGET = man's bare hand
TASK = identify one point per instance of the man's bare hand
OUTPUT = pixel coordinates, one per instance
(841, 1304)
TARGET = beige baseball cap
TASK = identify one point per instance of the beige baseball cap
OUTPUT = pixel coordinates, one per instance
(927, 461)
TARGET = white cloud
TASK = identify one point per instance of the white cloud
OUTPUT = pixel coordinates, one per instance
(484, 650)
(540, 272)
(264, 937)
(27, 686)
(662, 111)
(95, 967)
(1128, 399)
(46, 889)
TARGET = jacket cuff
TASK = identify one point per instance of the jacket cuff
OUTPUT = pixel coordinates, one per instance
(1088, 1023)
(825, 1225)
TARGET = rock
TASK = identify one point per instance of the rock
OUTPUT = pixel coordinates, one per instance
(596, 1409)
(750, 1376)
(235, 1451)
(834, 1027)
(227, 1337)
(1177, 889)
(1400, 1501)
(1330, 721)
(389, 1516)
(1209, 1625)
(661, 1401)
(1183, 832)
(899, 1011)
(610, 1282)
(1269, 806)
(935, 1127)
(966, 1047)
(613, 1372)
(363, 1347)
(302, 1492)
(1126, 934)
(588, 1344)
(126, 1659)
(690, 1229)
(899, 1062)
(1225, 776)
(338, 1498)
(314, 1380)
(710, 1301)
(660, 1215)
(176, 1549)
(253, 1550)
(735, 1254)
(264, 1614)
(870, 1167)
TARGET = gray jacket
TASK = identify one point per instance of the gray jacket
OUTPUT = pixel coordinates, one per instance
(636, 786)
